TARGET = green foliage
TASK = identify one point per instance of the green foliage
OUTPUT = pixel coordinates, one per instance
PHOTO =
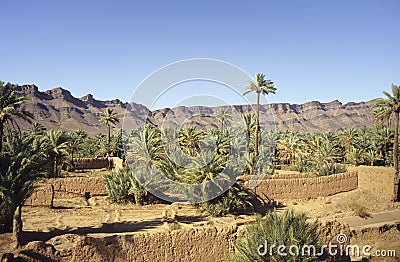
(21, 165)
(10, 109)
(331, 169)
(235, 199)
(123, 187)
(287, 229)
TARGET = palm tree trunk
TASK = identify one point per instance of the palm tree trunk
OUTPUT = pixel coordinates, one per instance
(396, 144)
(386, 153)
(257, 124)
(55, 167)
(1, 135)
(17, 226)
(109, 134)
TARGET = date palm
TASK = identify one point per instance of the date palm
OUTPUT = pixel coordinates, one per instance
(224, 115)
(58, 145)
(189, 140)
(109, 117)
(290, 146)
(382, 115)
(145, 147)
(10, 109)
(260, 86)
(22, 163)
(392, 103)
(348, 136)
(74, 142)
(250, 125)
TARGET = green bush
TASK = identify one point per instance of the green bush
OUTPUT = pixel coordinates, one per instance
(286, 229)
(236, 198)
(122, 187)
(331, 169)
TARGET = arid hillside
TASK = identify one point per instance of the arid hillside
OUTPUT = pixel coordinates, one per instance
(59, 109)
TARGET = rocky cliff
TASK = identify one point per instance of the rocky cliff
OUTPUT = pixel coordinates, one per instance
(59, 109)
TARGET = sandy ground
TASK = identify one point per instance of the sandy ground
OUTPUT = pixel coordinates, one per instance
(76, 216)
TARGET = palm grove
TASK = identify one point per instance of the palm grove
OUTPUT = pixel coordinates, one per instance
(28, 156)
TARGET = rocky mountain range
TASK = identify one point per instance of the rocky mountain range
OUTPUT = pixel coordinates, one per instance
(59, 109)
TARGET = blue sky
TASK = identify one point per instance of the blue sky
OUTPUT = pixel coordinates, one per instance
(312, 50)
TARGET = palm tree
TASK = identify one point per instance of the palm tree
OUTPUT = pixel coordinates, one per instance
(224, 115)
(384, 139)
(290, 146)
(392, 103)
(145, 147)
(382, 115)
(250, 122)
(58, 145)
(260, 86)
(348, 136)
(75, 140)
(109, 117)
(10, 109)
(21, 164)
(189, 139)
(208, 166)
(37, 129)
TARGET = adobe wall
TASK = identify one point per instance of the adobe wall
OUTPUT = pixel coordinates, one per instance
(306, 187)
(206, 243)
(268, 189)
(98, 163)
(66, 187)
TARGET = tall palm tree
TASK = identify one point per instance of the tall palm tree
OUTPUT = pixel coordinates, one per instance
(348, 136)
(260, 86)
(75, 140)
(224, 115)
(10, 109)
(392, 102)
(250, 122)
(109, 117)
(58, 145)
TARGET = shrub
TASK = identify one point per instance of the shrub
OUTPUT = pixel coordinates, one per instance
(286, 229)
(122, 187)
(331, 169)
(236, 198)
(360, 210)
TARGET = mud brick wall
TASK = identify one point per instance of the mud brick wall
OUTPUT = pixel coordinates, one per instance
(206, 243)
(91, 163)
(41, 196)
(195, 244)
(306, 188)
(66, 187)
(98, 163)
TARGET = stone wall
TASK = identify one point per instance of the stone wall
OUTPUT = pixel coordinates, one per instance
(307, 187)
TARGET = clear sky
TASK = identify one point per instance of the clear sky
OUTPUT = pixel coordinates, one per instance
(313, 50)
